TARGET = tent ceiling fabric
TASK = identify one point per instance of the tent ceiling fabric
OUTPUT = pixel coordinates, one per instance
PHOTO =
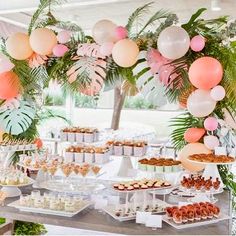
(87, 12)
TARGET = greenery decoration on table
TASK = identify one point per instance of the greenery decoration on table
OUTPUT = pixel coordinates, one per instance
(29, 228)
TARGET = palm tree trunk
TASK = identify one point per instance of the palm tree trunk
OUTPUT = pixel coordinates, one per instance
(119, 99)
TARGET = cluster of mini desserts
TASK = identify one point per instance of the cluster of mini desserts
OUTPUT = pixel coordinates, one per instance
(16, 144)
(80, 134)
(200, 183)
(88, 154)
(51, 201)
(141, 184)
(211, 158)
(128, 147)
(131, 211)
(160, 165)
(13, 177)
(192, 212)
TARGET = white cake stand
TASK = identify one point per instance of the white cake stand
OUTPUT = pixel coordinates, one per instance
(13, 190)
(211, 170)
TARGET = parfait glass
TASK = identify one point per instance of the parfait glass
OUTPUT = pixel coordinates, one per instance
(52, 170)
(67, 170)
(96, 170)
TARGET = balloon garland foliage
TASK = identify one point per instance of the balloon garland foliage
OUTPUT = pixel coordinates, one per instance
(193, 64)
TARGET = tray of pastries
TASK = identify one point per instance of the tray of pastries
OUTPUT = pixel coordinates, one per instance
(144, 184)
(211, 158)
(160, 165)
(199, 184)
(79, 134)
(49, 204)
(136, 148)
(126, 212)
(192, 215)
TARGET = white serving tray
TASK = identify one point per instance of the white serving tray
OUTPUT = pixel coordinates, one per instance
(196, 223)
(30, 181)
(17, 205)
(110, 210)
(212, 163)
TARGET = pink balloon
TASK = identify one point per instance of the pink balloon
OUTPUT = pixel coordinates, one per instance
(59, 50)
(197, 43)
(63, 36)
(106, 48)
(5, 64)
(210, 123)
(205, 73)
(218, 93)
(211, 142)
(192, 135)
(121, 32)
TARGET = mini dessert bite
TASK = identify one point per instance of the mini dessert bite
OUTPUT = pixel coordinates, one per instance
(211, 158)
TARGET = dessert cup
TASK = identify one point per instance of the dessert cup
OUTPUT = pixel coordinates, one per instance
(128, 150)
(159, 169)
(118, 150)
(71, 137)
(88, 137)
(89, 158)
(79, 157)
(79, 137)
(151, 168)
(101, 158)
(168, 169)
(63, 136)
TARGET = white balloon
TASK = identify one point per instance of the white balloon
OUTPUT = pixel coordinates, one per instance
(211, 142)
(200, 103)
(173, 42)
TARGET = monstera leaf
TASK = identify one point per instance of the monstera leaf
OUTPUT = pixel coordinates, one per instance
(148, 84)
(89, 68)
(16, 116)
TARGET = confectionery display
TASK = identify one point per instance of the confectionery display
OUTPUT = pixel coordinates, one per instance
(16, 144)
(49, 203)
(88, 154)
(125, 212)
(160, 165)
(199, 183)
(144, 184)
(80, 134)
(13, 177)
(211, 158)
(128, 147)
(193, 212)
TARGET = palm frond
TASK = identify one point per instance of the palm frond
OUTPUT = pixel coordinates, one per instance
(136, 15)
(161, 14)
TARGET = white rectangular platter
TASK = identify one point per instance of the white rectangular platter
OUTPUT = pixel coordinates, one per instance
(196, 223)
(17, 205)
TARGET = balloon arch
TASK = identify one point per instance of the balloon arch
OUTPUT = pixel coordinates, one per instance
(194, 62)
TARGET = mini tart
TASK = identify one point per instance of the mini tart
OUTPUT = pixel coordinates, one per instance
(115, 185)
(144, 186)
(130, 188)
(136, 186)
(121, 187)
(157, 185)
(150, 185)
(166, 184)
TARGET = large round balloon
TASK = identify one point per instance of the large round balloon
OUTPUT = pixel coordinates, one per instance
(173, 42)
(43, 40)
(211, 141)
(18, 46)
(190, 149)
(200, 103)
(125, 53)
(5, 64)
(9, 85)
(192, 135)
(205, 73)
(104, 31)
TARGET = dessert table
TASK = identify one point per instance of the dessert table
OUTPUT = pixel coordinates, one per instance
(91, 219)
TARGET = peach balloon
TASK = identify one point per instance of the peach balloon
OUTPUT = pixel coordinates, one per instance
(18, 46)
(192, 135)
(205, 73)
(9, 85)
(43, 40)
(125, 53)
(190, 149)
(104, 31)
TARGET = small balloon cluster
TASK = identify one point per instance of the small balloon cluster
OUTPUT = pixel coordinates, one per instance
(114, 41)
(36, 48)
